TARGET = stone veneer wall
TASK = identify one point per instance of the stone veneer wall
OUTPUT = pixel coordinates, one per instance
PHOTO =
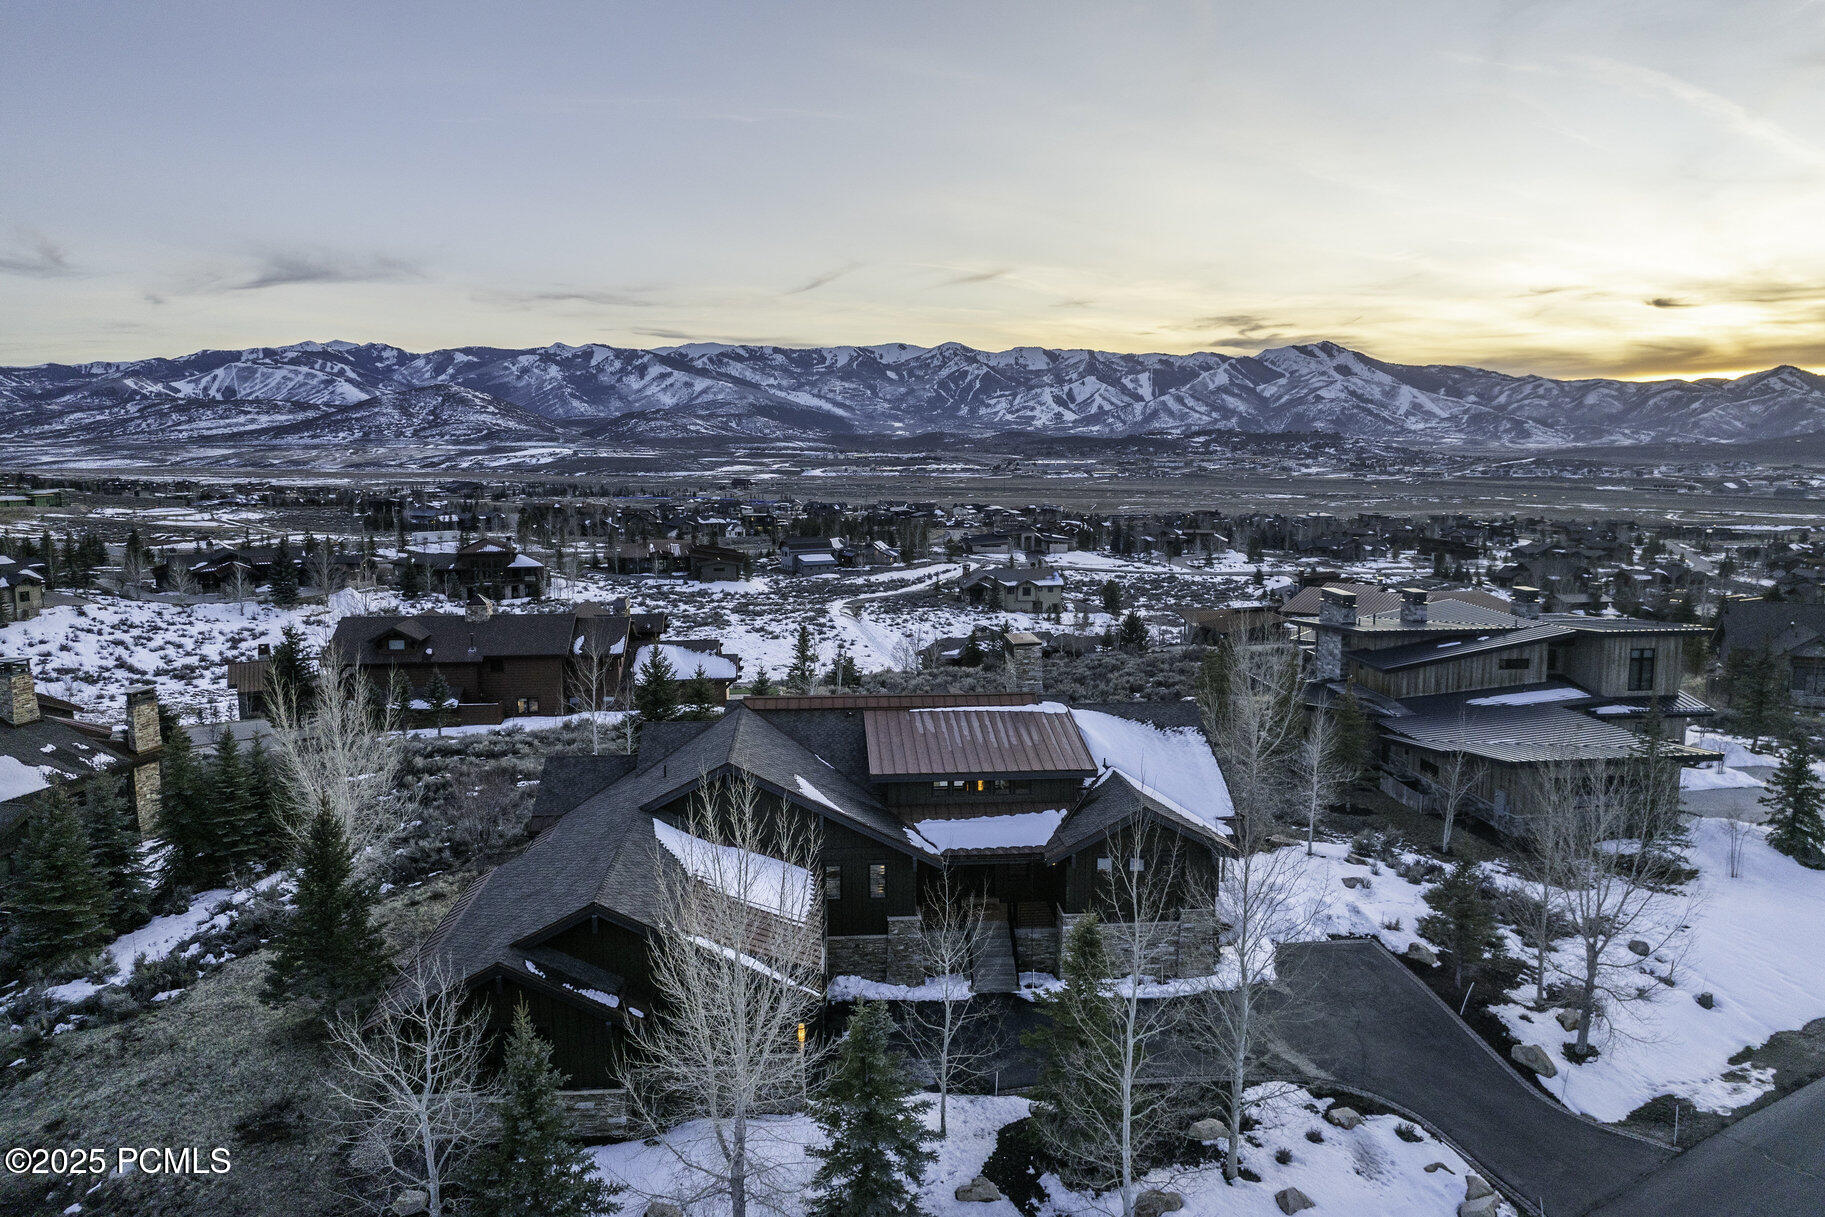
(892, 958)
(1172, 949)
(1036, 950)
(147, 785)
(594, 1115)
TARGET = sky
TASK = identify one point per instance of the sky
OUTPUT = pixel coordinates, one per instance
(1599, 188)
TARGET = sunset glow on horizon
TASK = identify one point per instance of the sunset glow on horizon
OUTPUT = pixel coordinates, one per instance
(1564, 189)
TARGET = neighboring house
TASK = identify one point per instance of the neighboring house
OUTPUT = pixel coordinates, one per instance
(1030, 806)
(250, 680)
(499, 665)
(716, 563)
(1514, 691)
(1237, 619)
(21, 591)
(687, 657)
(808, 555)
(495, 569)
(213, 569)
(41, 743)
(1792, 632)
(1019, 589)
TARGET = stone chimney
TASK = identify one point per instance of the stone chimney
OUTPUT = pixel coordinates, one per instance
(18, 696)
(1025, 660)
(479, 608)
(144, 741)
(1336, 607)
(1527, 602)
(142, 720)
(1336, 613)
(1413, 606)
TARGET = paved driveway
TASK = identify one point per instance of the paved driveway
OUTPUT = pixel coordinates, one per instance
(1768, 1164)
(1369, 1024)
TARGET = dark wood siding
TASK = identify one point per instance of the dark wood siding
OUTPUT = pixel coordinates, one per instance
(855, 911)
(582, 1043)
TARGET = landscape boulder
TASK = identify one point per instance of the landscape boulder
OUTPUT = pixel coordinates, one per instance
(1208, 1129)
(1569, 1019)
(1153, 1202)
(411, 1203)
(1534, 1057)
(1355, 881)
(1476, 1187)
(1482, 1206)
(1639, 947)
(1706, 1000)
(1343, 1117)
(1420, 953)
(663, 1208)
(1291, 1200)
(978, 1191)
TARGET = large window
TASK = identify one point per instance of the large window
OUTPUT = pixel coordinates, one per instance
(877, 880)
(1641, 669)
(833, 882)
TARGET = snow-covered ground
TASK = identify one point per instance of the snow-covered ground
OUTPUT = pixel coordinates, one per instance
(92, 653)
(1366, 1170)
(210, 910)
(1754, 942)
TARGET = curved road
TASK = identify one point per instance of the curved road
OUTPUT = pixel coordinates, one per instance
(1366, 1023)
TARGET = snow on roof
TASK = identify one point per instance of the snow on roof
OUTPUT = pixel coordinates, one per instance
(685, 662)
(1172, 765)
(525, 562)
(1531, 697)
(1020, 830)
(18, 779)
(754, 879)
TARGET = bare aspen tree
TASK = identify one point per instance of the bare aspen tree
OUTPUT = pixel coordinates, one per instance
(321, 569)
(1254, 726)
(1458, 774)
(240, 587)
(1125, 1115)
(1263, 899)
(1614, 890)
(132, 573)
(1736, 830)
(409, 1078)
(1543, 868)
(178, 579)
(1320, 777)
(593, 666)
(951, 929)
(341, 748)
(737, 973)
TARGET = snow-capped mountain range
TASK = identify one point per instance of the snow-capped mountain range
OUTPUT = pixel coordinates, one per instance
(341, 392)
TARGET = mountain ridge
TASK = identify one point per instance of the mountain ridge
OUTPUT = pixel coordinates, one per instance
(341, 391)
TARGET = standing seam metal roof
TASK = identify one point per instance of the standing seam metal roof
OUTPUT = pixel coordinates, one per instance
(919, 743)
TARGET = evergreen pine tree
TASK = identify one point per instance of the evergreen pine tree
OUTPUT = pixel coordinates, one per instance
(1083, 1020)
(58, 901)
(656, 691)
(971, 656)
(284, 576)
(234, 815)
(114, 846)
(1462, 921)
(1352, 738)
(1795, 800)
(1132, 636)
(699, 694)
(271, 811)
(802, 675)
(876, 1150)
(328, 950)
(532, 1167)
(762, 685)
(183, 810)
(1213, 672)
(411, 578)
(1758, 694)
(438, 695)
(289, 674)
(1112, 597)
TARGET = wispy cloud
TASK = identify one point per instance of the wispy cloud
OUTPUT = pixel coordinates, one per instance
(286, 267)
(1733, 115)
(35, 256)
(817, 281)
(600, 298)
(975, 276)
(1667, 302)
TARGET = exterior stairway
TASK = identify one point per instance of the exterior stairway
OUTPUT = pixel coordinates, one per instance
(995, 971)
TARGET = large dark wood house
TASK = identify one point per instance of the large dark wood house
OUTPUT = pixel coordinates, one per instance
(496, 569)
(21, 590)
(1029, 804)
(1515, 691)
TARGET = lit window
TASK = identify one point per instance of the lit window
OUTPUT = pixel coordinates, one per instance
(877, 880)
(1105, 865)
(396, 644)
(1137, 863)
(833, 883)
